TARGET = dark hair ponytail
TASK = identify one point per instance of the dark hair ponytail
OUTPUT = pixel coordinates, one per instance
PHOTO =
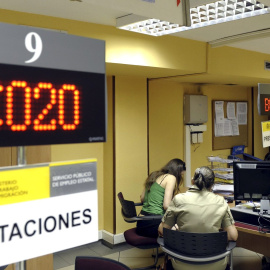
(204, 177)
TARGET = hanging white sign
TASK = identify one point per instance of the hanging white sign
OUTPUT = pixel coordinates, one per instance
(44, 204)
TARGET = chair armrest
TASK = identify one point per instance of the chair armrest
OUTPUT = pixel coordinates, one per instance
(154, 217)
(134, 219)
(231, 245)
(138, 204)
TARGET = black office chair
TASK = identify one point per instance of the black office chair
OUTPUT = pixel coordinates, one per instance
(197, 248)
(129, 214)
(98, 263)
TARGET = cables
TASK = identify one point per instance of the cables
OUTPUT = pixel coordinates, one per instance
(263, 228)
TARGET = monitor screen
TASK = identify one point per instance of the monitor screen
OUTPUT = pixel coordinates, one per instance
(251, 180)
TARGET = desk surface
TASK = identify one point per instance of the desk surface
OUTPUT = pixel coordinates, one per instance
(250, 238)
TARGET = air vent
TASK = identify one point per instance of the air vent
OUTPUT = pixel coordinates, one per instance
(267, 65)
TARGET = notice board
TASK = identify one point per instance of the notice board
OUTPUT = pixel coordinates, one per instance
(227, 142)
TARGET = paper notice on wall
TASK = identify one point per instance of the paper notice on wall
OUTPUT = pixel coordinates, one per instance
(235, 127)
(224, 128)
(227, 127)
(219, 129)
(231, 110)
(242, 113)
(219, 112)
(266, 133)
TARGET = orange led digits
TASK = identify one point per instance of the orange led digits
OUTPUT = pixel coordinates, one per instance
(48, 107)
(9, 113)
(41, 106)
(267, 104)
(9, 105)
(61, 108)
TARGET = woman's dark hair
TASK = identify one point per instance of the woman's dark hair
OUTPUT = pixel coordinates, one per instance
(204, 177)
(174, 167)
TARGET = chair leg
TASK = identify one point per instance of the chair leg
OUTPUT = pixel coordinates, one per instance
(153, 266)
(231, 260)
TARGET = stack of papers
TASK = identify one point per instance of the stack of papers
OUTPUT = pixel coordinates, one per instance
(223, 169)
(223, 189)
(219, 159)
(226, 176)
(218, 180)
(249, 205)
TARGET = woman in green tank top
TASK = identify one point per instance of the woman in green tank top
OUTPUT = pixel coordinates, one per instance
(159, 189)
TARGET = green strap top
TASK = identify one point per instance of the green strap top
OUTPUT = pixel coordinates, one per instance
(153, 200)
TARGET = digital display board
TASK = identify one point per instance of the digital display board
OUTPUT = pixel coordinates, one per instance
(50, 106)
(263, 99)
(265, 104)
(52, 87)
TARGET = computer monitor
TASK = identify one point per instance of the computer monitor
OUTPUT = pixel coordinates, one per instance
(251, 180)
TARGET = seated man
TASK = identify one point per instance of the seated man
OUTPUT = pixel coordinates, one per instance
(199, 211)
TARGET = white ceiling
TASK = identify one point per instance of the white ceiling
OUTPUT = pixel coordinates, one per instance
(83, 10)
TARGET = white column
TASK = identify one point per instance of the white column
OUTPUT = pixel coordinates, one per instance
(189, 129)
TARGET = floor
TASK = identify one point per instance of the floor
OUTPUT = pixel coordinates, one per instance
(242, 259)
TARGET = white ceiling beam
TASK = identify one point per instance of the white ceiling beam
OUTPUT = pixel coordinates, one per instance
(265, 33)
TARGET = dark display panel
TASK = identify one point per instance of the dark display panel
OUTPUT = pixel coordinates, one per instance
(251, 180)
(51, 106)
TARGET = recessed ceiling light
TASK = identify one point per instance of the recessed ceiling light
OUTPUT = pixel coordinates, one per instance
(205, 15)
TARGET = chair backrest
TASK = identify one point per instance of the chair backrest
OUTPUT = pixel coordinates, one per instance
(195, 244)
(100, 263)
(128, 207)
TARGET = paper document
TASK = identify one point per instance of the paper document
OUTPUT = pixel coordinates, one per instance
(235, 127)
(242, 113)
(231, 110)
(220, 187)
(223, 169)
(227, 128)
(224, 175)
(219, 159)
(219, 112)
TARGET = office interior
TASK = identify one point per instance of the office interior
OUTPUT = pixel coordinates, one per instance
(147, 78)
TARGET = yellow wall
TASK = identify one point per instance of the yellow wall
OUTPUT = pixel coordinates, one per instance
(166, 126)
(130, 140)
(237, 62)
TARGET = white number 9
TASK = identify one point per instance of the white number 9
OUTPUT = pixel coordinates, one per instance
(33, 44)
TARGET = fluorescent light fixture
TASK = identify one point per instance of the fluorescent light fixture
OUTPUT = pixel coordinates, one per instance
(144, 25)
(205, 15)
